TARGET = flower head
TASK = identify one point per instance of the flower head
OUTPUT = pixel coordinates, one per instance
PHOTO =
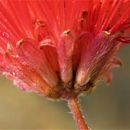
(61, 48)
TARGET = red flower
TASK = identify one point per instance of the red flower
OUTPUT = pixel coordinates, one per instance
(60, 48)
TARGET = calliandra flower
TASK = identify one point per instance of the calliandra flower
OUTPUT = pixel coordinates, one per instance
(61, 48)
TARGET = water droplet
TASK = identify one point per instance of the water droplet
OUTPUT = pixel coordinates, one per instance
(5, 34)
(9, 48)
(19, 43)
(13, 73)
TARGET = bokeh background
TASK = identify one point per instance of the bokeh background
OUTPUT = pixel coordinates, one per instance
(108, 107)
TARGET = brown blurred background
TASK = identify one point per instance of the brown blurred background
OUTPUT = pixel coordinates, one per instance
(106, 108)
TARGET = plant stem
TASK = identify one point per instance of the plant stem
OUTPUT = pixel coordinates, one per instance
(77, 115)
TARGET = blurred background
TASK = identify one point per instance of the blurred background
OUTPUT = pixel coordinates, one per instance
(108, 107)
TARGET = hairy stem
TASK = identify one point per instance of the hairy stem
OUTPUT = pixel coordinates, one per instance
(77, 115)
